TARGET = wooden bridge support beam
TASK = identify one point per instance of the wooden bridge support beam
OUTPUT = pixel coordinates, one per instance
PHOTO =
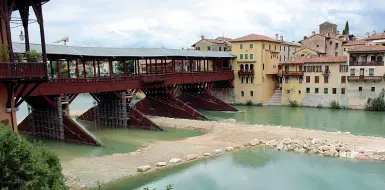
(199, 96)
(162, 101)
(49, 119)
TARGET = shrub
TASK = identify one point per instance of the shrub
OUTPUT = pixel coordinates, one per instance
(335, 105)
(168, 187)
(33, 55)
(26, 165)
(19, 56)
(249, 103)
(376, 104)
(259, 104)
(4, 53)
(319, 106)
(293, 103)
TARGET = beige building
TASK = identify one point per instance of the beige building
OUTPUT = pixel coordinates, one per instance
(366, 74)
(256, 67)
(218, 44)
(308, 53)
(287, 49)
(331, 45)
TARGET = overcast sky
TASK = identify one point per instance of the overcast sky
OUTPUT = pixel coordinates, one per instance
(180, 23)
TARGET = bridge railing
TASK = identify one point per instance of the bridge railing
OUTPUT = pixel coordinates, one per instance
(22, 70)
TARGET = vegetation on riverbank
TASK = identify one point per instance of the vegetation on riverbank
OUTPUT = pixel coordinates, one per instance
(335, 105)
(376, 104)
(26, 165)
(168, 187)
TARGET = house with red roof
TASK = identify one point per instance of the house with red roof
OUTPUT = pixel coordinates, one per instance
(218, 44)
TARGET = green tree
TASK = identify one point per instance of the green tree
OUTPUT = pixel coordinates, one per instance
(119, 67)
(25, 165)
(346, 30)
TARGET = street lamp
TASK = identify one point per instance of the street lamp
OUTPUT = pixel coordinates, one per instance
(21, 36)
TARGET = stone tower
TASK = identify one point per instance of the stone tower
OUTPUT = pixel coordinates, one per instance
(327, 27)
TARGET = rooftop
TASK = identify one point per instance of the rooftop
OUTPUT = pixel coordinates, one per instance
(368, 48)
(342, 59)
(354, 43)
(254, 37)
(377, 36)
(107, 52)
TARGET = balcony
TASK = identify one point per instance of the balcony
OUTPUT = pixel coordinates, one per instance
(246, 73)
(10, 71)
(365, 78)
(366, 63)
(326, 73)
(292, 73)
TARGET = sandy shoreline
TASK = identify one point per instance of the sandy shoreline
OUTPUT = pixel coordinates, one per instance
(86, 172)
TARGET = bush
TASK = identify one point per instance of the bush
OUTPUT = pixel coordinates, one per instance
(4, 53)
(25, 165)
(19, 56)
(259, 104)
(293, 103)
(335, 105)
(168, 187)
(376, 104)
(33, 55)
(319, 106)
(249, 103)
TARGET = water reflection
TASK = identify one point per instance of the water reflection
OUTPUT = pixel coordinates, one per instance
(252, 159)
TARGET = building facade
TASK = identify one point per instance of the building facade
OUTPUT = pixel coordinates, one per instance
(331, 45)
(256, 67)
(218, 44)
(327, 28)
(287, 50)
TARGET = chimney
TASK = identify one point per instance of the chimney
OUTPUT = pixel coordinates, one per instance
(374, 32)
(313, 33)
(367, 34)
(202, 37)
(305, 37)
(276, 36)
(338, 32)
(281, 38)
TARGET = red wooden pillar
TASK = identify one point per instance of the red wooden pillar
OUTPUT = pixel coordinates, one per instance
(84, 69)
(146, 67)
(124, 67)
(77, 68)
(173, 65)
(150, 66)
(58, 68)
(37, 8)
(111, 68)
(191, 66)
(182, 66)
(199, 65)
(98, 67)
(93, 64)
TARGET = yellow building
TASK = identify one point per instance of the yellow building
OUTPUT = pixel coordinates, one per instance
(307, 53)
(256, 67)
(315, 81)
(218, 44)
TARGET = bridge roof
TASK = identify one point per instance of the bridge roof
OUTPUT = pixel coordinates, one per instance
(106, 52)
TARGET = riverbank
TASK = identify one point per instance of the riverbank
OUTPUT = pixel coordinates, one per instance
(87, 172)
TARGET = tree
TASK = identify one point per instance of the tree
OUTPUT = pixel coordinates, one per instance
(346, 30)
(120, 67)
(25, 165)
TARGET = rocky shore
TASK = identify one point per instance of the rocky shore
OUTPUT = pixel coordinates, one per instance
(219, 138)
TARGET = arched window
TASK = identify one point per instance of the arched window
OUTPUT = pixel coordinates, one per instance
(242, 93)
(241, 79)
(379, 59)
(252, 67)
(246, 67)
(241, 67)
(247, 80)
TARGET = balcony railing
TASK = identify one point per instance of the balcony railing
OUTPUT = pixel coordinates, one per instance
(23, 70)
(365, 78)
(326, 73)
(366, 63)
(292, 73)
(246, 72)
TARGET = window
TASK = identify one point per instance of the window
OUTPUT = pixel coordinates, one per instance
(336, 45)
(224, 49)
(242, 93)
(241, 46)
(336, 54)
(247, 80)
(360, 89)
(286, 80)
(252, 67)
(316, 79)
(371, 72)
(251, 56)
(307, 79)
(344, 49)
(269, 47)
(308, 69)
(275, 47)
(288, 91)
(299, 92)
(247, 67)
(373, 89)
(308, 90)
(251, 93)
(263, 66)
(342, 90)
(208, 48)
(280, 58)
(284, 58)
(326, 90)
(343, 79)
(220, 48)
(241, 56)
(263, 46)
(352, 72)
(334, 90)
(251, 46)
(316, 90)
(241, 67)
(317, 45)
(246, 56)
(300, 80)
(326, 79)
(343, 68)
(242, 80)
(198, 48)
(284, 48)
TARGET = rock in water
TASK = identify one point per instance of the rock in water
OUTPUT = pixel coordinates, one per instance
(206, 154)
(353, 154)
(161, 164)
(254, 142)
(343, 155)
(237, 146)
(228, 149)
(218, 151)
(175, 160)
(143, 168)
(191, 157)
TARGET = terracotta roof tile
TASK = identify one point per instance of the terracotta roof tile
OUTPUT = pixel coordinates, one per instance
(354, 43)
(317, 51)
(368, 48)
(254, 37)
(215, 41)
(378, 36)
(342, 59)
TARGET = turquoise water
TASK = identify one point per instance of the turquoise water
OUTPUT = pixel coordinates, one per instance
(265, 170)
(354, 121)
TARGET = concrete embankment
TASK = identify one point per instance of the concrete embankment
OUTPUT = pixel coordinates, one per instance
(220, 137)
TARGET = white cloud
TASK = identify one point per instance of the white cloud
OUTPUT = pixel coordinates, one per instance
(176, 24)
